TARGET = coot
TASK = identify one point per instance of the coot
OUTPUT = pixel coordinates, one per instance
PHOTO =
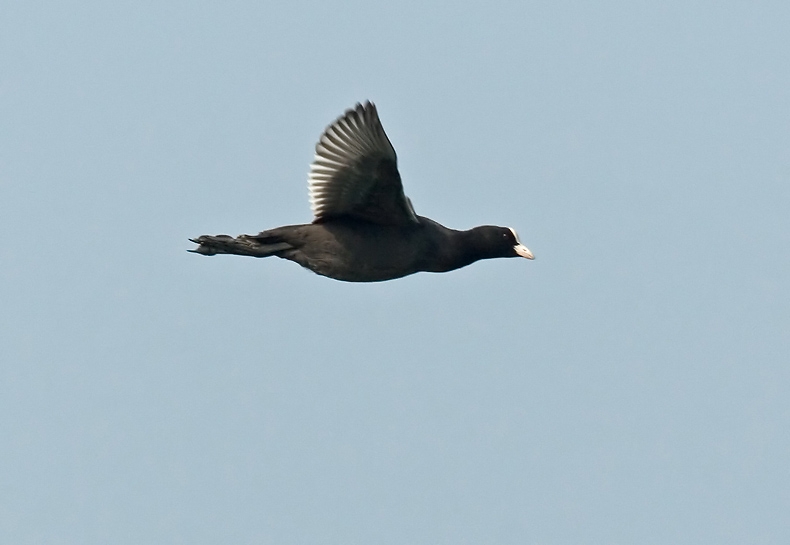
(364, 227)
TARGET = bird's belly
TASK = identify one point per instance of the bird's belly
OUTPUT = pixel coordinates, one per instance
(357, 259)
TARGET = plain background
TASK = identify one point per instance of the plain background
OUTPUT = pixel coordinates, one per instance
(628, 386)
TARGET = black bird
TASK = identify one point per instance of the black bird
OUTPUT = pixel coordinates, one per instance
(364, 227)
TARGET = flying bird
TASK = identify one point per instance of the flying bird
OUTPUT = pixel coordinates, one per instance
(364, 227)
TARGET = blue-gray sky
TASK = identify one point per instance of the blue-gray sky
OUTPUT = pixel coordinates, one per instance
(628, 386)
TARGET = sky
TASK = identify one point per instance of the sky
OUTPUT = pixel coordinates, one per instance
(628, 386)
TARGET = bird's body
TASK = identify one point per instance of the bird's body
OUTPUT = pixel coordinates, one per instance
(365, 229)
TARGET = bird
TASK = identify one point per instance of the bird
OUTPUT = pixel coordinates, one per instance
(364, 228)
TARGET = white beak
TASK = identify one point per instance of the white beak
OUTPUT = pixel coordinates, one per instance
(523, 251)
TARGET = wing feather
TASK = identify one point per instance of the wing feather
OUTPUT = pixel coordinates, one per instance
(355, 173)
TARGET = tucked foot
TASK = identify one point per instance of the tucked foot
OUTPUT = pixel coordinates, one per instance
(241, 245)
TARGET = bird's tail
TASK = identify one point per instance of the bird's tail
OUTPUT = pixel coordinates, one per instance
(252, 245)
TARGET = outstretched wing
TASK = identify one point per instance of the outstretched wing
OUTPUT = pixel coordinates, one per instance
(355, 172)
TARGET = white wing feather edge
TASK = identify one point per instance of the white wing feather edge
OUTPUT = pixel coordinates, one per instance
(356, 133)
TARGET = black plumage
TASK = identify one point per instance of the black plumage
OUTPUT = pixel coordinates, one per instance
(364, 227)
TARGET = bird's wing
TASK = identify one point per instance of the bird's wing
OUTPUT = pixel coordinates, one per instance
(355, 172)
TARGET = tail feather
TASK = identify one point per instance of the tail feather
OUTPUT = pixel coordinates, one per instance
(241, 245)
